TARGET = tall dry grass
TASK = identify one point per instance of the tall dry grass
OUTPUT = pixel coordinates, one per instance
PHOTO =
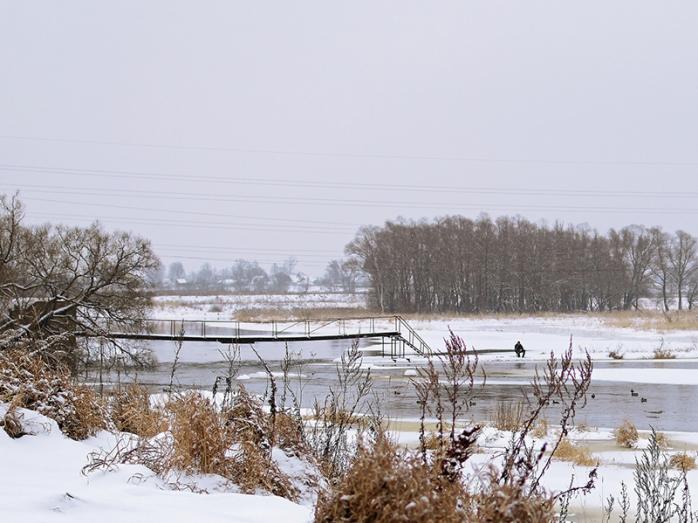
(651, 320)
(508, 415)
(201, 438)
(388, 484)
(132, 412)
(385, 484)
(568, 451)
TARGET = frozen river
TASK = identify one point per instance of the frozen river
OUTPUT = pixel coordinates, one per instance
(670, 386)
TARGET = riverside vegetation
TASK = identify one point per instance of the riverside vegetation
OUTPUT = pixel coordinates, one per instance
(346, 464)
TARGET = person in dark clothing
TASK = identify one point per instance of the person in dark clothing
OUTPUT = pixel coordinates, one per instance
(519, 350)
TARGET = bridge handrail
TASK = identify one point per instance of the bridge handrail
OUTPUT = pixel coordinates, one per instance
(402, 329)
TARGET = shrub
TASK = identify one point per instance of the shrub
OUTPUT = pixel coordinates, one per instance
(682, 461)
(615, 355)
(32, 383)
(567, 451)
(131, 412)
(626, 435)
(253, 432)
(582, 427)
(432, 441)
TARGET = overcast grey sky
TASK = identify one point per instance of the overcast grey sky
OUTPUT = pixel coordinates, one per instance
(288, 124)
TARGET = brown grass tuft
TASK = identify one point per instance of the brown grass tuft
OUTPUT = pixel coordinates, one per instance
(683, 461)
(626, 435)
(508, 415)
(131, 412)
(662, 439)
(540, 430)
(199, 439)
(663, 354)
(510, 504)
(32, 383)
(568, 451)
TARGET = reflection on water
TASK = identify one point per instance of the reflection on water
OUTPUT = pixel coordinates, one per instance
(668, 407)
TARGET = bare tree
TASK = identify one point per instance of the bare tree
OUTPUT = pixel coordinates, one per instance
(683, 261)
(74, 280)
(660, 267)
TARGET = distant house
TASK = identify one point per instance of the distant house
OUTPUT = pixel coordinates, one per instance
(181, 282)
(227, 284)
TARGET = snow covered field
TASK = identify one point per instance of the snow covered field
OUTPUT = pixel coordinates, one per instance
(541, 335)
(225, 306)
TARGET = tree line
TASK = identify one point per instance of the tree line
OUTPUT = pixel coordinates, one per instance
(513, 265)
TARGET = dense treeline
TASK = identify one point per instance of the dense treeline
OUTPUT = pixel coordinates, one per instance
(511, 264)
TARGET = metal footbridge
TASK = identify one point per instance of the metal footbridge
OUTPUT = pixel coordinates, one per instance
(396, 335)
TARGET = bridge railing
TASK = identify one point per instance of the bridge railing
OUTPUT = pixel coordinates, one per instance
(274, 328)
(393, 327)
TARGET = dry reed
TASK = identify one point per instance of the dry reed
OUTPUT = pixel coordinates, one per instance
(626, 435)
(508, 415)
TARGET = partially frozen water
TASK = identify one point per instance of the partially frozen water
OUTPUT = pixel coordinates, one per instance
(669, 407)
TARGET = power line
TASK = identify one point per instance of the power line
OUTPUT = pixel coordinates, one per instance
(354, 155)
(346, 185)
(245, 249)
(184, 223)
(193, 213)
(132, 193)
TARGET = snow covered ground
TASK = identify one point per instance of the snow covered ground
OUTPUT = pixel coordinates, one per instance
(41, 482)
